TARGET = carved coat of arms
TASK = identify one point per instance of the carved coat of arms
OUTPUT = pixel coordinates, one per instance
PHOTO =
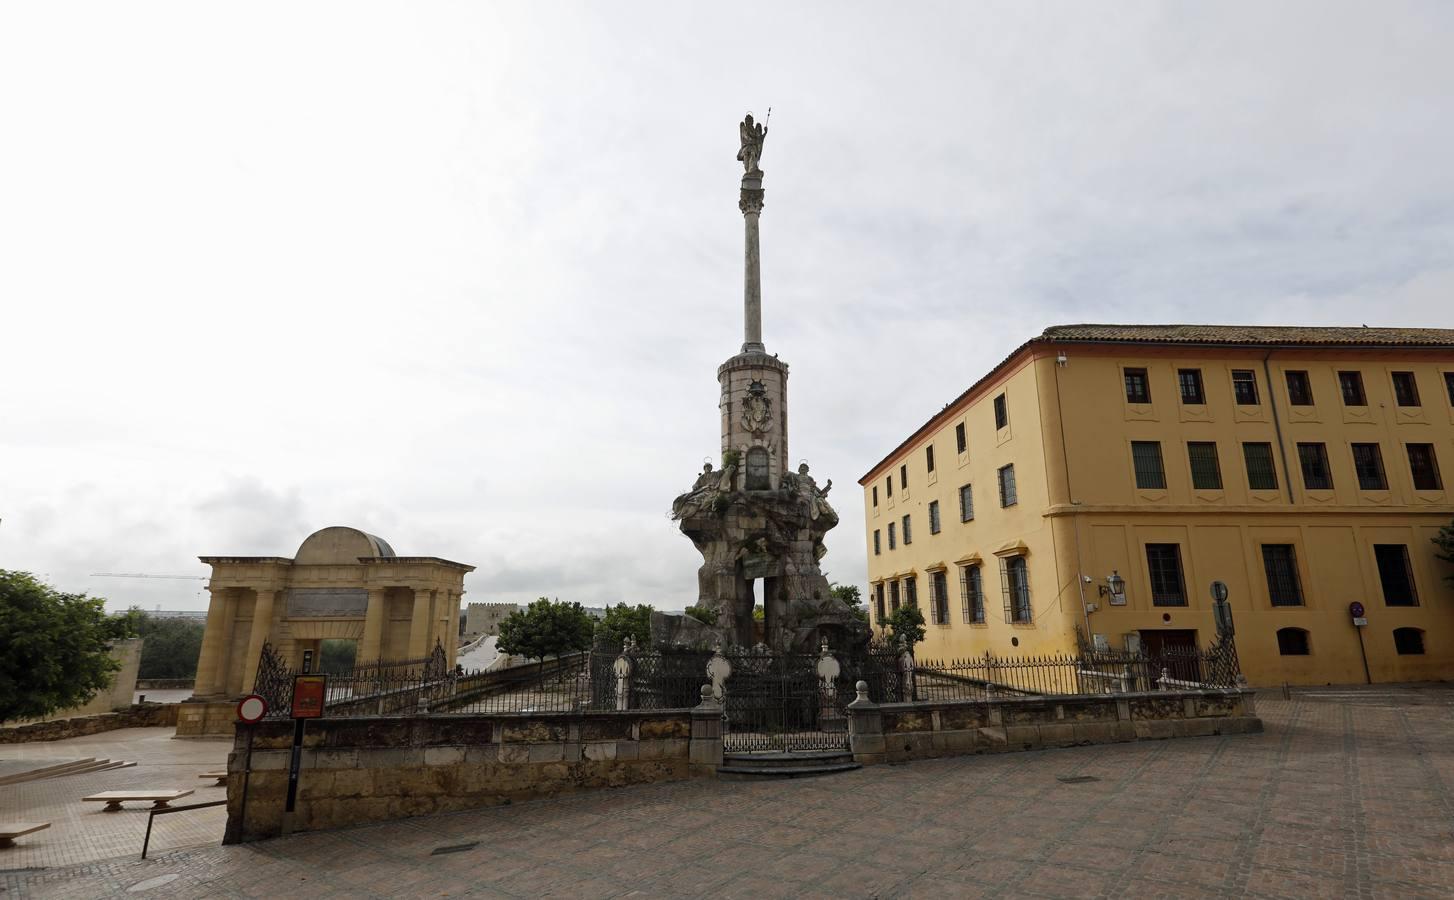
(757, 409)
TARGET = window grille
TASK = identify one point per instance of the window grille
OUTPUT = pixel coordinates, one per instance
(971, 594)
(1299, 389)
(966, 503)
(1192, 393)
(908, 536)
(1449, 386)
(1163, 562)
(1206, 472)
(1146, 456)
(1405, 389)
(889, 487)
(892, 542)
(1425, 467)
(911, 591)
(1368, 463)
(1015, 585)
(877, 547)
(1292, 642)
(1002, 412)
(893, 596)
(875, 495)
(879, 602)
(758, 470)
(904, 476)
(1007, 486)
(1244, 387)
(1283, 585)
(1317, 476)
(933, 516)
(1261, 473)
(1138, 386)
(1351, 384)
(929, 457)
(939, 605)
(962, 441)
(1408, 641)
(1396, 575)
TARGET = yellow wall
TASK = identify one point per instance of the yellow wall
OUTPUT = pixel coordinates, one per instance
(1089, 517)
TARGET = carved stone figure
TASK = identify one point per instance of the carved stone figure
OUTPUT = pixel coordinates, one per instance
(757, 409)
(752, 135)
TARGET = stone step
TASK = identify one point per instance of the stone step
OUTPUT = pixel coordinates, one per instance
(763, 773)
(63, 767)
(100, 765)
(788, 759)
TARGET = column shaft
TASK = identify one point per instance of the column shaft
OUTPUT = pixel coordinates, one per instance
(262, 626)
(419, 625)
(371, 648)
(213, 637)
(752, 288)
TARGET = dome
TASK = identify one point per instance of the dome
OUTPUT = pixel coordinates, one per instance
(340, 545)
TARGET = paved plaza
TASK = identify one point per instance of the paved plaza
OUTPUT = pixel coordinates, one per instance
(1346, 794)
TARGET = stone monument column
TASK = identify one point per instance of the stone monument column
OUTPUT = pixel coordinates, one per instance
(751, 202)
(419, 623)
(262, 626)
(212, 662)
(370, 649)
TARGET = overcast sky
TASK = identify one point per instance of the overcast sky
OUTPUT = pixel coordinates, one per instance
(461, 275)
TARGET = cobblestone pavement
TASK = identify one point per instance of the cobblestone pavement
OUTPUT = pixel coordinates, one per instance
(1343, 796)
(81, 832)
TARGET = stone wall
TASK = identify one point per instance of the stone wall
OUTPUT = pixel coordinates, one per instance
(370, 769)
(164, 684)
(142, 715)
(893, 732)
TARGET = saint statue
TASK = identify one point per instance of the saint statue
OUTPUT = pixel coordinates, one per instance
(752, 135)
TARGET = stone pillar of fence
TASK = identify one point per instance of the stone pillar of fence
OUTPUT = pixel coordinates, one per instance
(906, 670)
(865, 728)
(622, 669)
(705, 753)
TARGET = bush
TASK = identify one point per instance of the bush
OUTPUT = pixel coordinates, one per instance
(624, 621)
(171, 646)
(546, 628)
(907, 622)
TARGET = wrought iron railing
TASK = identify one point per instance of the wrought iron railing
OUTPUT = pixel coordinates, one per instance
(989, 677)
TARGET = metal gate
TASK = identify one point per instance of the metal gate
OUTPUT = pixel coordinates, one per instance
(778, 701)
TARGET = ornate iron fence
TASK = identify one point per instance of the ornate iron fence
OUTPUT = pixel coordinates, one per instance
(989, 677)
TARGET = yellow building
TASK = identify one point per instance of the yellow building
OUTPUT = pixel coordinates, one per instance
(1103, 476)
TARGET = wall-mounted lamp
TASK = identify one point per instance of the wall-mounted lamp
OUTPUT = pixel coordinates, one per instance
(1115, 588)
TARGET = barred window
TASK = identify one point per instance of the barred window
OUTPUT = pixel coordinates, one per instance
(889, 486)
(1396, 575)
(879, 602)
(971, 594)
(960, 439)
(966, 503)
(892, 542)
(1425, 467)
(1368, 463)
(1192, 393)
(1015, 585)
(1292, 641)
(911, 591)
(1317, 476)
(929, 457)
(875, 495)
(1405, 389)
(1206, 472)
(933, 516)
(1244, 387)
(908, 537)
(939, 601)
(1138, 386)
(1002, 412)
(1146, 456)
(1008, 496)
(1408, 641)
(1283, 586)
(877, 547)
(1449, 386)
(1163, 562)
(1261, 473)
(1299, 389)
(893, 596)
(904, 476)
(1352, 386)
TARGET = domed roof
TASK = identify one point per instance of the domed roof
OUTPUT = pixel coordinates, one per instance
(340, 545)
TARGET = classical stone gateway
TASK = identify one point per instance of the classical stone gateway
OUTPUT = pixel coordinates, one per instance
(342, 584)
(754, 520)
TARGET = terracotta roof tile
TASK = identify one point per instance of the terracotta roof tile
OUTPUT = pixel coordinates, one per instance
(1281, 335)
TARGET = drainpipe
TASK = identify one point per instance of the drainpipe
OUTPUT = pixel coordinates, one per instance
(1277, 426)
(1074, 516)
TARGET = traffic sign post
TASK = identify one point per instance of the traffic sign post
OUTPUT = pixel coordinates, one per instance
(310, 693)
(1360, 621)
(1222, 609)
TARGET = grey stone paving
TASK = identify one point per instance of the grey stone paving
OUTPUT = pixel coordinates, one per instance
(1342, 796)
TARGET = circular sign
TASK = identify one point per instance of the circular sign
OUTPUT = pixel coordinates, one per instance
(1355, 609)
(252, 708)
(1219, 590)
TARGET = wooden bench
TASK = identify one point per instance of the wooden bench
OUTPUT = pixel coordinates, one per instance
(220, 776)
(9, 831)
(114, 799)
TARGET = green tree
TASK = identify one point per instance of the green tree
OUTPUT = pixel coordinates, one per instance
(851, 596)
(336, 655)
(907, 622)
(546, 628)
(624, 621)
(171, 646)
(1444, 540)
(57, 647)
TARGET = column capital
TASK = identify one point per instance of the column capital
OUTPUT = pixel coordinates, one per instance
(751, 201)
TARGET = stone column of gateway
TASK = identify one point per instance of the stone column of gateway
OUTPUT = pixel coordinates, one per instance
(755, 521)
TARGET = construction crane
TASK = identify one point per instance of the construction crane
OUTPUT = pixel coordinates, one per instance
(147, 575)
